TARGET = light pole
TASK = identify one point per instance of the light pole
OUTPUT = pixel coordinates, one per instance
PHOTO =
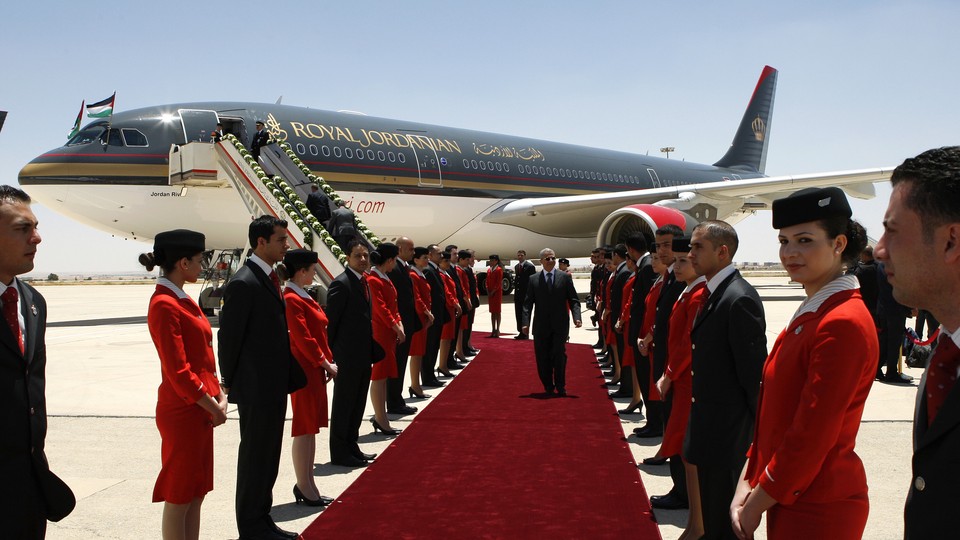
(666, 150)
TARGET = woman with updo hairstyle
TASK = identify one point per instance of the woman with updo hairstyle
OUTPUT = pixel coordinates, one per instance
(422, 303)
(307, 325)
(387, 331)
(449, 330)
(802, 469)
(190, 402)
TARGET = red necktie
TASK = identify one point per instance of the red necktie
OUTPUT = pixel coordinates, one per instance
(276, 280)
(941, 375)
(9, 298)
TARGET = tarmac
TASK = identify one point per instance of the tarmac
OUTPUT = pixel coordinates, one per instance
(102, 378)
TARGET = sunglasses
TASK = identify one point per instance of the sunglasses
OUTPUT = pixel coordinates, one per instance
(549, 258)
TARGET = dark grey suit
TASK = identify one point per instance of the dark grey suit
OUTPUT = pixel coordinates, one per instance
(729, 348)
(933, 499)
(551, 327)
(257, 366)
(400, 277)
(29, 493)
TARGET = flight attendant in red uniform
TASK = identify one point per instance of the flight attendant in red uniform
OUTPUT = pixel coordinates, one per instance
(449, 330)
(494, 293)
(623, 325)
(387, 331)
(307, 325)
(646, 338)
(802, 469)
(189, 401)
(421, 301)
(677, 377)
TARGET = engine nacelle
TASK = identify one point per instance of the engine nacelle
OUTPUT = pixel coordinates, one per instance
(640, 218)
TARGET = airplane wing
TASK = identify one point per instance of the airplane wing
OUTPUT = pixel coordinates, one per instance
(579, 215)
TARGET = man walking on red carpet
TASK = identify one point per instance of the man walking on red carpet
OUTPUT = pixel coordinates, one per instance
(554, 296)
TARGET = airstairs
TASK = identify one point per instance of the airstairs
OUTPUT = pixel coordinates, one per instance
(277, 186)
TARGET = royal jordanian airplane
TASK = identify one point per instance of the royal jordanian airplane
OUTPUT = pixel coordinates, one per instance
(494, 193)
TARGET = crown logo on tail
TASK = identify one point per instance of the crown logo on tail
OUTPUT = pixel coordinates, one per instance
(759, 128)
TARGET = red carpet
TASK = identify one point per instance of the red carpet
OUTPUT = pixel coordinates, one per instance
(491, 457)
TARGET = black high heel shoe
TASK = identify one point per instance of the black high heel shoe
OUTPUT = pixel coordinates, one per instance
(301, 498)
(444, 373)
(377, 427)
(413, 393)
(631, 409)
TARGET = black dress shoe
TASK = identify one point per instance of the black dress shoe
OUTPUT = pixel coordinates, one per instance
(285, 534)
(473, 352)
(897, 378)
(668, 502)
(561, 393)
(365, 457)
(654, 461)
(349, 461)
(406, 409)
(433, 383)
(520, 336)
(645, 433)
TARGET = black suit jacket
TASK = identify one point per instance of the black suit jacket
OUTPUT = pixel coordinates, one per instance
(260, 139)
(641, 287)
(438, 305)
(671, 291)
(474, 290)
(551, 303)
(319, 205)
(620, 277)
(350, 331)
(729, 348)
(933, 499)
(23, 417)
(400, 277)
(254, 347)
(342, 222)
(522, 274)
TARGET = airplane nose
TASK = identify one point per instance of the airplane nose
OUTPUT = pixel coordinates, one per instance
(46, 168)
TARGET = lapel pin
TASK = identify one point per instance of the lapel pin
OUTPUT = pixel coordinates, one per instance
(798, 330)
(33, 309)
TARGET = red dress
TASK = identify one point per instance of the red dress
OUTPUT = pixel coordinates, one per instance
(495, 288)
(626, 356)
(421, 302)
(814, 388)
(385, 313)
(449, 330)
(679, 357)
(649, 317)
(307, 324)
(188, 370)
(609, 336)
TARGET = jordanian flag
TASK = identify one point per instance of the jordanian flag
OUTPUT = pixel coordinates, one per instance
(101, 109)
(76, 124)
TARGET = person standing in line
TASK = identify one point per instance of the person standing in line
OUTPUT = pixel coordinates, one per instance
(449, 334)
(596, 284)
(189, 401)
(494, 293)
(521, 277)
(258, 372)
(387, 331)
(30, 493)
(891, 323)
(802, 469)
(551, 294)
(260, 139)
(459, 273)
(422, 305)
(729, 346)
(623, 325)
(350, 333)
(645, 277)
(406, 303)
(308, 343)
(644, 344)
(610, 314)
(675, 384)
(438, 306)
(919, 249)
(468, 347)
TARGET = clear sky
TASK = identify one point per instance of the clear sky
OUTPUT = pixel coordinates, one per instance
(862, 83)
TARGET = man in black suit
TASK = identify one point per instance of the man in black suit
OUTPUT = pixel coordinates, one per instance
(637, 250)
(891, 323)
(319, 205)
(342, 225)
(551, 293)
(474, 290)
(919, 249)
(400, 277)
(729, 347)
(260, 139)
(258, 372)
(438, 306)
(30, 493)
(350, 334)
(521, 277)
(612, 312)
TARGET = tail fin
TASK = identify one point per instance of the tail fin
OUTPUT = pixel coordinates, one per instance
(749, 148)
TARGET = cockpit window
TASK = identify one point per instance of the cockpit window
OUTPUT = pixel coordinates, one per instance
(88, 135)
(111, 138)
(133, 137)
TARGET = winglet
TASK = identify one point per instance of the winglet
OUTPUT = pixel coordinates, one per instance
(748, 152)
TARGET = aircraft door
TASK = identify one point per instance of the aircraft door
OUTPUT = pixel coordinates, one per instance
(428, 164)
(198, 124)
(654, 179)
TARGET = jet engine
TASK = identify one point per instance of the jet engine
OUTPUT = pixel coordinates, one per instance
(641, 218)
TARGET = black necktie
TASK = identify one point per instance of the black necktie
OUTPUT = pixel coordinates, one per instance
(549, 280)
(9, 298)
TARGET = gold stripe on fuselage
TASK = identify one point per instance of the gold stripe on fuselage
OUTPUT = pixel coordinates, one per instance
(123, 170)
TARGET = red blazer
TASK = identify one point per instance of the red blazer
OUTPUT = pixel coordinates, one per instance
(494, 280)
(450, 292)
(815, 384)
(624, 315)
(649, 315)
(184, 343)
(679, 351)
(308, 330)
(385, 312)
(421, 294)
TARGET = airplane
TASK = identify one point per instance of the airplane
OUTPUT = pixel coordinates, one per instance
(490, 192)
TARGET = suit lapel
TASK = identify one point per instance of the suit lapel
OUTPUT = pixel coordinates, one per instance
(264, 280)
(946, 419)
(715, 296)
(30, 320)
